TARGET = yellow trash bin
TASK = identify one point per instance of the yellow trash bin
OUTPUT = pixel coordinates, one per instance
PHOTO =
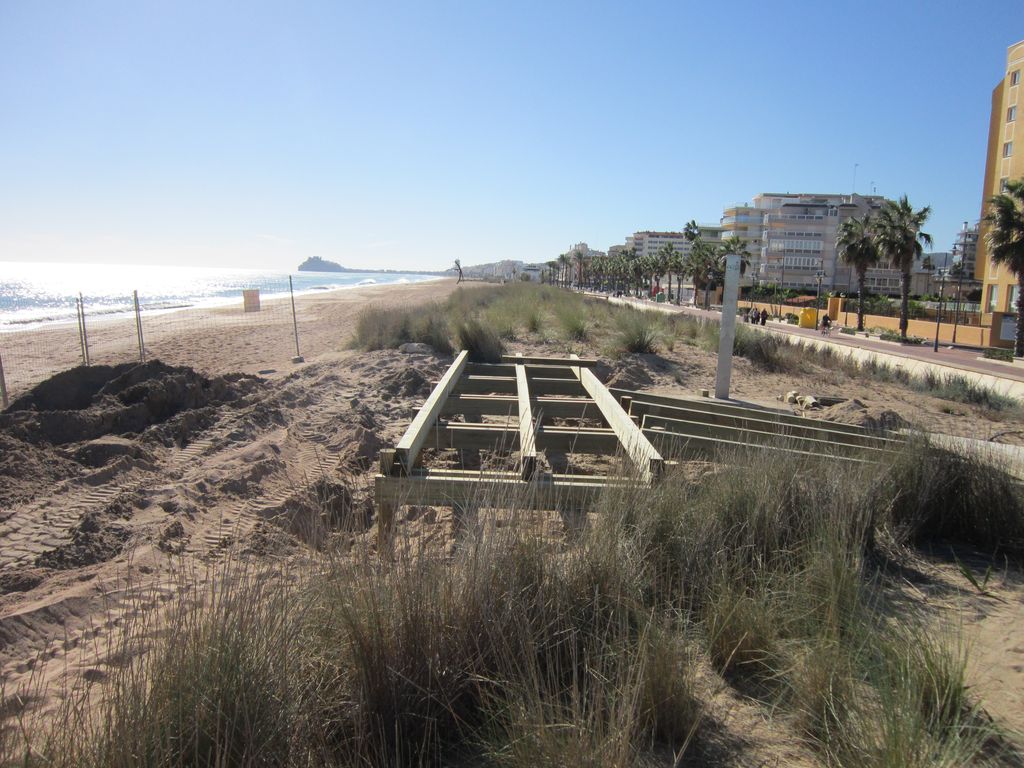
(807, 318)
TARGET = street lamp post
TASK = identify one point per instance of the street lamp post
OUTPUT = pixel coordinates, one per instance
(960, 279)
(942, 290)
(819, 276)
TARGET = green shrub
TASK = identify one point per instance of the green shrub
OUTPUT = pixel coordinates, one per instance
(638, 332)
(848, 331)
(791, 318)
(767, 351)
(1005, 355)
(482, 342)
(572, 317)
(378, 328)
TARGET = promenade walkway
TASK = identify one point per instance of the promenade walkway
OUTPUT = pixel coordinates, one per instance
(1005, 378)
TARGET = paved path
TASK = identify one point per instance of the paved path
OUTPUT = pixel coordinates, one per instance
(1005, 378)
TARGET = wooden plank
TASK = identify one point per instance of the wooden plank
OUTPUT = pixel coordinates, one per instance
(415, 436)
(573, 360)
(689, 447)
(756, 437)
(527, 441)
(481, 385)
(716, 406)
(815, 430)
(544, 386)
(505, 438)
(505, 369)
(506, 405)
(644, 456)
(563, 492)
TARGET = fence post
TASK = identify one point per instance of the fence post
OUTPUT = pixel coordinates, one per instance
(82, 335)
(295, 323)
(138, 327)
(3, 384)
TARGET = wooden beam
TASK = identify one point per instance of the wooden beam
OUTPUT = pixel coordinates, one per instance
(756, 437)
(573, 360)
(480, 385)
(817, 430)
(750, 411)
(556, 492)
(507, 405)
(644, 456)
(527, 442)
(689, 447)
(415, 436)
(507, 369)
(544, 386)
(505, 438)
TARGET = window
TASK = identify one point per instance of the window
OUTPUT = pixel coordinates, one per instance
(1015, 77)
(1007, 149)
(993, 297)
(1011, 301)
(1011, 114)
(1002, 184)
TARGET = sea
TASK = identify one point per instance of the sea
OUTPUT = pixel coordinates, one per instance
(39, 294)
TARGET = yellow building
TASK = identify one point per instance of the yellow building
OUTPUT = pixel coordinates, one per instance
(1004, 161)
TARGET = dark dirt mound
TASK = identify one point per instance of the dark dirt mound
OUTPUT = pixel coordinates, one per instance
(26, 469)
(407, 383)
(360, 447)
(633, 372)
(87, 403)
(21, 580)
(93, 540)
(870, 417)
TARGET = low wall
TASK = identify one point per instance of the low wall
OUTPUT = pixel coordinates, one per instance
(971, 335)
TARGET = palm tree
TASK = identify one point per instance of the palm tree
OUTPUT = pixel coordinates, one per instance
(552, 270)
(564, 261)
(900, 241)
(1005, 241)
(665, 255)
(580, 258)
(458, 266)
(856, 245)
(675, 265)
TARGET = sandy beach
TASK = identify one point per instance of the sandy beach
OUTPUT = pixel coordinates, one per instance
(123, 489)
(214, 341)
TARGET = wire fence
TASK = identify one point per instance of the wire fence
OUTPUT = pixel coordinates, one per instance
(260, 327)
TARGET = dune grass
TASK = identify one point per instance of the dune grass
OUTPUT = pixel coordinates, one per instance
(521, 650)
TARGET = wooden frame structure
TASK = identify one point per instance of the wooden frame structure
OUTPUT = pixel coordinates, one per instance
(531, 393)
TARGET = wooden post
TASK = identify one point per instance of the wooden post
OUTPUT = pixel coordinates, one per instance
(641, 452)
(138, 327)
(415, 436)
(527, 441)
(385, 516)
(295, 324)
(83, 339)
(3, 384)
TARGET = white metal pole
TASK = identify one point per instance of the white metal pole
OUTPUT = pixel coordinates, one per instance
(727, 328)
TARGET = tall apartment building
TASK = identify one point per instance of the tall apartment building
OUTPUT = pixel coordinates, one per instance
(649, 243)
(799, 239)
(1004, 161)
(747, 222)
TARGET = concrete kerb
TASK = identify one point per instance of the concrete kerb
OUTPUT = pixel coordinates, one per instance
(913, 366)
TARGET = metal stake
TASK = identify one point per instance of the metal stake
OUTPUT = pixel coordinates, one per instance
(3, 384)
(295, 324)
(83, 336)
(138, 327)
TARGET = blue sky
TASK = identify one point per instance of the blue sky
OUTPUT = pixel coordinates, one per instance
(405, 135)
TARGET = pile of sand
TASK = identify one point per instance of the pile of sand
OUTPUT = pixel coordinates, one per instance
(855, 412)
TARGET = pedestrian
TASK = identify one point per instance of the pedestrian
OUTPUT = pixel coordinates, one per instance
(764, 316)
(826, 325)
